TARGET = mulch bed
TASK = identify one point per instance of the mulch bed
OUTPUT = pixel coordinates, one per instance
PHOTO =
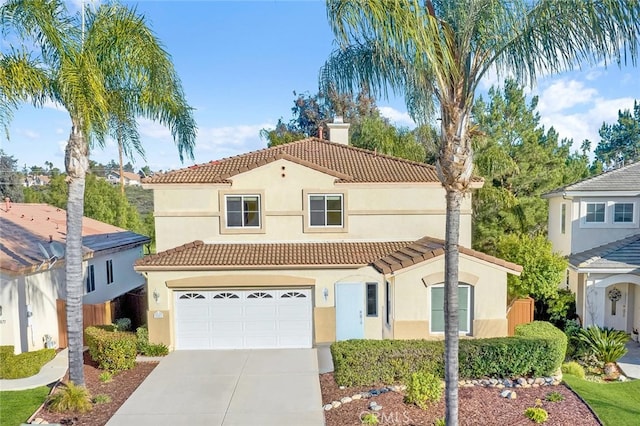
(119, 389)
(477, 406)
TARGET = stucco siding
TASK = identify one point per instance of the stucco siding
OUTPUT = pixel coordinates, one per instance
(124, 277)
(184, 214)
(561, 242)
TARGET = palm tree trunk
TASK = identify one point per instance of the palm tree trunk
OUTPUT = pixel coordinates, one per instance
(451, 324)
(76, 163)
(121, 166)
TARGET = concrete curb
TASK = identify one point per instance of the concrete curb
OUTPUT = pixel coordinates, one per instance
(51, 372)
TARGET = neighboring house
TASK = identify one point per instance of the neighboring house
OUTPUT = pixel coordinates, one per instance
(129, 178)
(36, 180)
(32, 246)
(307, 243)
(595, 223)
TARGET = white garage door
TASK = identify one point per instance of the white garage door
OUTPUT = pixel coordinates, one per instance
(241, 319)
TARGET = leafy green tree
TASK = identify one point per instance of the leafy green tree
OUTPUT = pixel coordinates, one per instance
(520, 161)
(620, 142)
(435, 53)
(543, 270)
(79, 66)
(10, 179)
(375, 133)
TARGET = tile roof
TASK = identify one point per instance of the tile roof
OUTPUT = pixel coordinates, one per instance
(386, 257)
(346, 163)
(626, 178)
(24, 225)
(621, 254)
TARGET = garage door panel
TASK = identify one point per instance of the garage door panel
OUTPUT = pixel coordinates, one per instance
(237, 319)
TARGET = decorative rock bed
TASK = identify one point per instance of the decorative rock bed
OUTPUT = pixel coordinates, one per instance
(520, 382)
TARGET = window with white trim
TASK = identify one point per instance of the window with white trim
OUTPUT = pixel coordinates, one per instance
(623, 213)
(243, 211)
(372, 299)
(464, 309)
(326, 210)
(109, 271)
(387, 308)
(91, 279)
(595, 213)
(563, 218)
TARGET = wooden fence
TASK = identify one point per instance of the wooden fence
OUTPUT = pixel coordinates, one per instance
(97, 314)
(519, 312)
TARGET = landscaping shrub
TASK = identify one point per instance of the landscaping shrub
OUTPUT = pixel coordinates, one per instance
(573, 368)
(607, 344)
(70, 398)
(546, 331)
(422, 389)
(146, 348)
(113, 350)
(506, 357)
(23, 365)
(554, 396)
(537, 414)
(576, 348)
(371, 362)
(123, 324)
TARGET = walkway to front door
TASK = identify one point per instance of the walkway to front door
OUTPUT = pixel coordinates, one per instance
(230, 387)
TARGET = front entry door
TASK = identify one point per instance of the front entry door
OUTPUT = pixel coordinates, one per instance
(349, 311)
(615, 315)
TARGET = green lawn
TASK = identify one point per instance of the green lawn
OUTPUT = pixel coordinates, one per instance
(17, 406)
(617, 403)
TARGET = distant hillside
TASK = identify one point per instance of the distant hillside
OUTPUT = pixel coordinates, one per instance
(141, 199)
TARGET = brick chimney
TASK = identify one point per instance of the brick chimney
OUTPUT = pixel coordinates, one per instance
(339, 131)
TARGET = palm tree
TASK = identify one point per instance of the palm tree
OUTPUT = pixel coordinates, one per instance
(436, 52)
(116, 51)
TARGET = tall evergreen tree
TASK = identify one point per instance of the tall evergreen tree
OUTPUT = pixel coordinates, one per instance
(620, 142)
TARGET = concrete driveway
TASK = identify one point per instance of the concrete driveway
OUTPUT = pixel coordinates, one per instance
(238, 387)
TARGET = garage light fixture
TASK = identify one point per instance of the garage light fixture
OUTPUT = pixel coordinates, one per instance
(156, 296)
(325, 293)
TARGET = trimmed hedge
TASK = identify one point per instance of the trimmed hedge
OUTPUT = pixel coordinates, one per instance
(23, 365)
(372, 362)
(547, 331)
(113, 350)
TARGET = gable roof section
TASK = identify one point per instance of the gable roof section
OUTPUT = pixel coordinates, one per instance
(386, 257)
(429, 248)
(621, 254)
(346, 163)
(625, 178)
(25, 225)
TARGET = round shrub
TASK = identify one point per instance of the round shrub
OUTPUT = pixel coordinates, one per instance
(537, 414)
(423, 388)
(546, 331)
(573, 368)
(113, 350)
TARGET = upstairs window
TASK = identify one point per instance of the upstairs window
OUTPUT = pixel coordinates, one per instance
(563, 218)
(243, 211)
(91, 279)
(623, 213)
(595, 213)
(109, 271)
(326, 210)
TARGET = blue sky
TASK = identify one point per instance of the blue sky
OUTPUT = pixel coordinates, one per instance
(241, 61)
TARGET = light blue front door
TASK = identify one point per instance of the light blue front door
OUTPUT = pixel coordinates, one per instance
(349, 311)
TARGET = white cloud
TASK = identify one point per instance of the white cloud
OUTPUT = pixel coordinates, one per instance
(29, 134)
(564, 94)
(397, 117)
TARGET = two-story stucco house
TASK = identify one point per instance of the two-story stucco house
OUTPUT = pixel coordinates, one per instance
(595, 223)
(308, 243)
(32, 274)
